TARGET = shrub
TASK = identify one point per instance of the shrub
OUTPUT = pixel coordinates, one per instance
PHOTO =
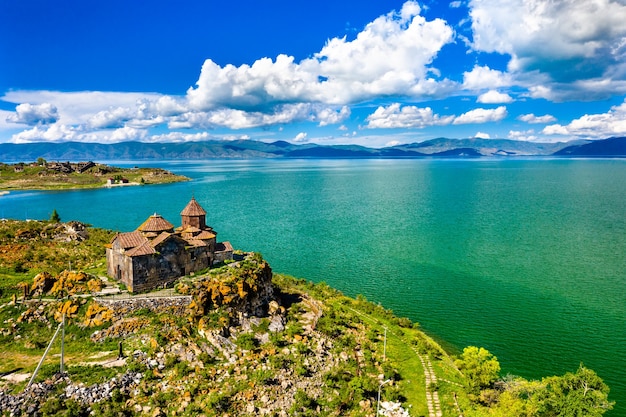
(303, 405)
(246, 341)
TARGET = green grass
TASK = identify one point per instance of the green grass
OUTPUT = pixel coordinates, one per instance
(401, 362)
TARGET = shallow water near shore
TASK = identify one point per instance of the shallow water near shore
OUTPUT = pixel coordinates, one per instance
(524, 257)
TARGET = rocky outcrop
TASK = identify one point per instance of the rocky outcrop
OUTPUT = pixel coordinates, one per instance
(72, 231)
(242, 289)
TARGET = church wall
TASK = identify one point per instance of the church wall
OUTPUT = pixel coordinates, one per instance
(199, 258)
(172, 262)
(119, 266)
(221, 256)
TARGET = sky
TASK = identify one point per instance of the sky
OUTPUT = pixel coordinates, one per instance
(368, 72)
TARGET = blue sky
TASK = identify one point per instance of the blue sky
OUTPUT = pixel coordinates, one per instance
(363, 72)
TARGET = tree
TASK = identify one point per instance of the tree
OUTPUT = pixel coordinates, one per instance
(574, 394)
(41, 161)
(480, 367)
(54, 217)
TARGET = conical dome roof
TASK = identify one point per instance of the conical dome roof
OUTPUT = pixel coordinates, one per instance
(156, 223)
(193, 209)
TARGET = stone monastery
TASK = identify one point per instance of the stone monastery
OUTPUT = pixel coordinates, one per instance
(156, 254)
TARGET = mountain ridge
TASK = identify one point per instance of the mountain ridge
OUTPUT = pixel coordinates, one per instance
(252, 149)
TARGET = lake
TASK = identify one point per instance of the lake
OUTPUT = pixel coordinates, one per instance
(525, 257)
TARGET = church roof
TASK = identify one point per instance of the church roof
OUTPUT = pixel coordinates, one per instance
(195, 242)
(130, 239)
(223, 247)
(205, 234)
(155, 223)
(144, 249)
(160, 239)
(190, 229)
(193, 209)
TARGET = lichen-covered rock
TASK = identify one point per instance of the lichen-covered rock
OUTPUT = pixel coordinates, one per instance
(121, 328)
(34, 313)
(243, 287)
(75, 282)
(97, 315)
(42, 283)
(68, 308)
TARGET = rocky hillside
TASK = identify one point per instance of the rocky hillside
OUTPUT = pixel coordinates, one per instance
(240, 340)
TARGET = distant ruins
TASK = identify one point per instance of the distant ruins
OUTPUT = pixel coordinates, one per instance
(156, 254)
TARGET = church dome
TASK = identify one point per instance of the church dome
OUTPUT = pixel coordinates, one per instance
(156, 224)
(193, 209)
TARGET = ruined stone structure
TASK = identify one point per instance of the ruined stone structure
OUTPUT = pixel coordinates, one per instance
(156, 254)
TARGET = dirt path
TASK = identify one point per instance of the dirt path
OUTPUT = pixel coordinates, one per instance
(430, 379)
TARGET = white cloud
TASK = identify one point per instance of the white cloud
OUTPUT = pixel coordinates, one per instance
(483, 77)
(582, 90)
(5, 124)
(494, 97)
(168, 105)
(329, 116)
(78, 107)
(53, 133)
(300, 137)
(126, 133)
(482, 135)
(240, 119)
(611, 123)
(58, 132)
(393, 143)
(34, 114)
(527, 135)
(190, 120)
(235, 137)
(556, 44)
(481, 116)
(181, 137)
(81, 116)
(113, 118)
(390, 56)
(532, 119)
(455, 4)
(395, 116)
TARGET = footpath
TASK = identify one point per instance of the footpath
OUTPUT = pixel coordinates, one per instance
(430, 378)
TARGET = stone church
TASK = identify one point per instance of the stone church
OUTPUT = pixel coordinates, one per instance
(156, 254)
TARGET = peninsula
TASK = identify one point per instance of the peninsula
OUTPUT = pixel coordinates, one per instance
(44, 175)
(231, 339)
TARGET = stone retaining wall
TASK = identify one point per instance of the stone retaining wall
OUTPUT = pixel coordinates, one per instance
(154, 304)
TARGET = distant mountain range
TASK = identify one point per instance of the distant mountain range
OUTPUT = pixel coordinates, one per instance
(250, 149)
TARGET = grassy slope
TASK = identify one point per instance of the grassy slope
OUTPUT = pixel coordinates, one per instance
(361, 318)
(352, 329)
(362, 321)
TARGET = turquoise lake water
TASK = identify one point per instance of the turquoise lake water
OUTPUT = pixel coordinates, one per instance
(524, 257)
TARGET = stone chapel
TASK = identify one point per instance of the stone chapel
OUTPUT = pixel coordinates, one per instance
(156, 254)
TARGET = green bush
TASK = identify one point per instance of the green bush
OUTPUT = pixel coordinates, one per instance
(303, 405)
(247, 341)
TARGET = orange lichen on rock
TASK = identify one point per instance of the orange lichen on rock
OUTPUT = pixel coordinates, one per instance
(97, 315)
(75, 282)
(42, 283)
(68, 308)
